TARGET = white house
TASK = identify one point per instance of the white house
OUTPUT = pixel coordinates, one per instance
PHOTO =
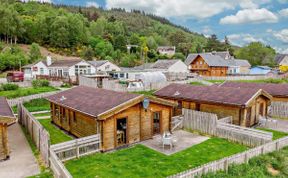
(166, 50)
(170, 65)
(59, 68)
(105, 66)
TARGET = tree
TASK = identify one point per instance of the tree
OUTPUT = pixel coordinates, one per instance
(177, 37)
(120, 43)
(34, 53)
(257, 54)
(199, 48)
(185, 48)
(151, 43)
(88, 54)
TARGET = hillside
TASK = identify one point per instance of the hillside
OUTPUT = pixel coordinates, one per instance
(94, 33)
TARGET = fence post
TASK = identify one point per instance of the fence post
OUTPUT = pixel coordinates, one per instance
(277, 145)
(262, 150)
(77, 149)
(226, 165)
(246, 158)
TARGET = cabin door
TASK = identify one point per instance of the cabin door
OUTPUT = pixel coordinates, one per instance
(248, 117)
(156, 123)
(121, 132)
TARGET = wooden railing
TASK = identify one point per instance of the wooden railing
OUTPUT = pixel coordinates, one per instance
(223, 164)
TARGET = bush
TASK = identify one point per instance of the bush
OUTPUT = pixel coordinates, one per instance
(65, 85)
(40, 83)
(9, 87)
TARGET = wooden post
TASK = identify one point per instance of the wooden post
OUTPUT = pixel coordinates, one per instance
(226, 165)
(262, 150)
(277, 145)
(246, 158)
(77, 149)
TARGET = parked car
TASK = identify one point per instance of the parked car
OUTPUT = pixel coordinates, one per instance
(15, 76)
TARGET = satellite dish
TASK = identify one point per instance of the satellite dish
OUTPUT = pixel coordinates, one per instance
(146, 103)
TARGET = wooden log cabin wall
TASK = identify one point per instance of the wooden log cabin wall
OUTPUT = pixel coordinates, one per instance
(120, 118)
(245, 106)
(6, 118)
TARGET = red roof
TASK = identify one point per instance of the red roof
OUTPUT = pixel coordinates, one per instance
(91, 101)
(272, 89)
(214, 94)
(5, 110)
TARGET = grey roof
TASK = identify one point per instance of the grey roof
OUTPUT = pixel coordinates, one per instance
(144, 66)
(239, 62)
(64, 63)
(210, 59)
(31, 65)
(280, 57)
(164, 64)
(97, 63)
(222, 54)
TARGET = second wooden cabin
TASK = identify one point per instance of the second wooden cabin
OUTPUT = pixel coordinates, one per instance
(120, 118)
(244, 105)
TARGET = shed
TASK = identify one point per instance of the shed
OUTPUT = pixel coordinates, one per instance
(120, 118)
(278, 91)
(6, 118)
(244, 105)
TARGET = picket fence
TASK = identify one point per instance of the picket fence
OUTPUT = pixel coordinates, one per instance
(16, 101)
(240, 158)
(88, 82)
(208, 123)
(39, 135)
(279, 109)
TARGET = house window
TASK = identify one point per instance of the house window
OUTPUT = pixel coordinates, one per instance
(41, 71)
(122, 75)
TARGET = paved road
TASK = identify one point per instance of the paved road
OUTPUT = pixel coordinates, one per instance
(22, 162)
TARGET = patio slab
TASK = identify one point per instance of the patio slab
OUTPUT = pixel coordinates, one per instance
(184, 140)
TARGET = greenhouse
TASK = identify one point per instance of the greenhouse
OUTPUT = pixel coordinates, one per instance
(151, 77)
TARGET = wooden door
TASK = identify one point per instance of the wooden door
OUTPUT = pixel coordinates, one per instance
(248, 117)
(156, 122)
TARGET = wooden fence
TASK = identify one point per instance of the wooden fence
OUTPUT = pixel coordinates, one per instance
(200, 121)
(240, 158)
(228, 120)
(16, 101)
(246, 77)
(208, 123)
(279, 109)
(88, 82)
(37, 132)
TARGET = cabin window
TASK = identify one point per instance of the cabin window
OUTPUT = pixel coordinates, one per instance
(179, 105)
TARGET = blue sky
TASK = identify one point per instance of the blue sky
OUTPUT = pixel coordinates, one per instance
(243, 21)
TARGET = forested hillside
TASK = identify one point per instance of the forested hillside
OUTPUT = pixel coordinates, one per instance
(92, 33)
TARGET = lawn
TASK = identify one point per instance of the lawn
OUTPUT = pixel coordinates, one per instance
(270, 165)
(56, 135)
(35, 105)
(197, 83)
(42, 115)
(276, 134)
(140, 161)
(26, 92)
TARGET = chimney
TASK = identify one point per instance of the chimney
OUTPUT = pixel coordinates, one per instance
(49, 60)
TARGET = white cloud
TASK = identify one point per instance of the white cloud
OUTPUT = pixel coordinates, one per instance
(243, 39)
(283, 1)
(206, 30)
(281, 35)
(284, 12)
(92, 4)
(250, 16)
(199, 9)
(43, 1)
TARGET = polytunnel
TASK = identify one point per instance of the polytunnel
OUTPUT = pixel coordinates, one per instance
(151, 77)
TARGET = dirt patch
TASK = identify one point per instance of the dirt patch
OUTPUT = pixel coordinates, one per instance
(272, 171)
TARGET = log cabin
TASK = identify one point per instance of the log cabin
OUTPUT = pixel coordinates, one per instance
(244, 105)
(207, 64)
(6, 118)
(120, 118)
(279, 92)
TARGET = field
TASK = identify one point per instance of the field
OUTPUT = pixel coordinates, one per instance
(140, 161)
(26, 92)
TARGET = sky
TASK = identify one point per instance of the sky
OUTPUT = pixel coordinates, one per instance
(242, 21)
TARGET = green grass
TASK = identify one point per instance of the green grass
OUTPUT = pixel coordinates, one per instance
(146, 93)
(276, 134)
(42, 114)
(56, 135)
(270, 165)
(196, 83)
(26, 92)
(3, 74)
(276, 81)
(216, 81)
(140, 161)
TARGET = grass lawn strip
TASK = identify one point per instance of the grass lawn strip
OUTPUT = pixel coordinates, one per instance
(140, 161)
(276, 134)
(42, 115)
(56, 135)
(26, 92)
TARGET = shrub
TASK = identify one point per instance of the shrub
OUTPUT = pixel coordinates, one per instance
(65, 85)
(9, 87)
(40, 83)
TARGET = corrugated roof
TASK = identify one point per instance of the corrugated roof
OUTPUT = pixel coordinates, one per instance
(98, 63)
(164, 64)
(214, 94)
(5, 110)
(91, 101)
(272, 89)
